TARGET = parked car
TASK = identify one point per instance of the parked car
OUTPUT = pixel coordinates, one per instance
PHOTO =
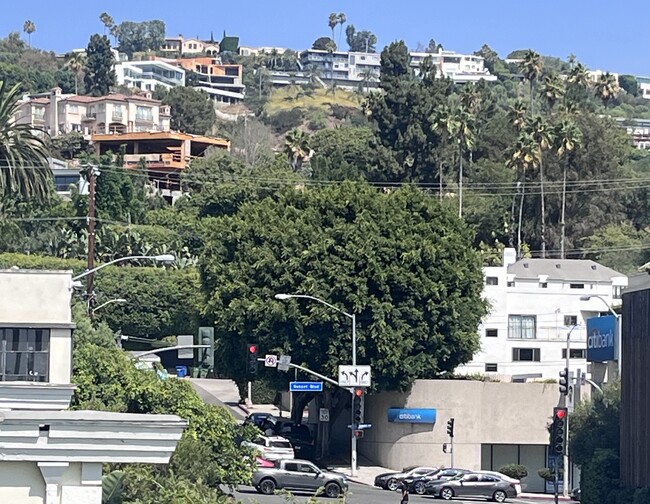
(419, 484)
(259, 419)
(391, 481)
(272, 447)
(298, 475)
(514, 481)
(575, 494)
(475, 485)
(264, 463)
(300, 437)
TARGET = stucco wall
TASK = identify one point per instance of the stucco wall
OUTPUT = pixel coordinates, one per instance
(60, 355)
(21, 483)
(484, 413)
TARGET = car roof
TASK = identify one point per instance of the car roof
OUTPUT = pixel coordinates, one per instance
(275, 438)
(497, 474)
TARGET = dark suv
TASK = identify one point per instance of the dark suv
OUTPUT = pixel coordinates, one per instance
(300, 437)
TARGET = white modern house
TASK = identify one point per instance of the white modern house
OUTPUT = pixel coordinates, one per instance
(48, 454)
(535, 305)
(147, 75)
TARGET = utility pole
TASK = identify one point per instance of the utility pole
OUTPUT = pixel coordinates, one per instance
(93, 172)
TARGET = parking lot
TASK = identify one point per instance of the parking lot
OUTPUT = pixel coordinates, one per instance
(357, 494)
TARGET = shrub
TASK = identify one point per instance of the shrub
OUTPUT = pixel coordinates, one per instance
(285, 120)
(546, 474)
(515, 471)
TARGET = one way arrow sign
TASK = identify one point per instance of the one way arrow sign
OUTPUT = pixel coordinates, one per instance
(354, 376)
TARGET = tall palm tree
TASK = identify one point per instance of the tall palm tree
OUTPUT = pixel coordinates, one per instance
(553, 90)
(542, 135)
(464, 139)
(24, 168)
(296, 146)
(606, 88)
(76, 62)
(444, 124)
(517, 114)
(567, 137)
(107, 21)
(531, 67)
(341, 20)
(29, 27)
(331, 46)
(523, 157)
(579, 76)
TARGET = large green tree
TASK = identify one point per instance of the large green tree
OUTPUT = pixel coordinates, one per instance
(24, 168)
(399, 261)
(192, 110)
(362, 41)
(140, 37)
(99, 74)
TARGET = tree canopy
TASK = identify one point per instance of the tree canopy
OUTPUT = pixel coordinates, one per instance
(140, 37)
(192, 111)
(399, 261)
(99, 74)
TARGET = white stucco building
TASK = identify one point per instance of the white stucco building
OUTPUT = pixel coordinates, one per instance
(49, 455)
(147, 75)
(535, 303)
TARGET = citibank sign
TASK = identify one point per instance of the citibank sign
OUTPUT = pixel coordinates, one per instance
(412, 415)
(601, 338)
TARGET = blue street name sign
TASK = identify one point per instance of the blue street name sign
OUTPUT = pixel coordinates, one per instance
(305, 386)
(406, 415)
(601, 338)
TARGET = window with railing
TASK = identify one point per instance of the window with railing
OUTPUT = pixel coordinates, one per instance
(24, 354)
(143, 114)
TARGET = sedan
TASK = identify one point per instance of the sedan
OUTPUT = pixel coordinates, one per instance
(475, 485)
(420, 485)
(391, 481)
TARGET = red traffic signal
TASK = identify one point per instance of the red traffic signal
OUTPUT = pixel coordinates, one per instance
(560, 413)
(252, 348)
(358, 392)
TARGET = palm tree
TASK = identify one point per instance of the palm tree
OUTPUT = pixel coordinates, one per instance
(579, 76)
(296, 146)
(341, 20)
(567, 137)
(464, 139)
(76, 62)
(524, 156)
(517, 114)
(24, 168)
(606, 88)
(542, 135)
(531, 67)
(115, 32)
(331, 46)
(444, 124)
(29, 27)
(107, 21)
(553, 90)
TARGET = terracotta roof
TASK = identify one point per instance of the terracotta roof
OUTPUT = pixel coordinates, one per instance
(159, 135)
(43, 101)
(112, 97)
(81, 99)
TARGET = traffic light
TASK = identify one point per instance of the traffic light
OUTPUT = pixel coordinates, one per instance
(564, 381)
(251, 350)
(357, 407)
(558, 431)
(206, 337)
(450, 427)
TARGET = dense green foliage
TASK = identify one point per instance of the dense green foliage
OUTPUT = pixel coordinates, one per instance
(99, 74)
(192, 110)
(140, 37)
(207, 456)
(399, 261)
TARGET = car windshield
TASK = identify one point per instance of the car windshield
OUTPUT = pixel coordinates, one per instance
(280, 444)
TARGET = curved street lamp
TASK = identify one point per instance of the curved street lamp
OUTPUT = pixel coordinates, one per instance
(163, 258)
(116, 300)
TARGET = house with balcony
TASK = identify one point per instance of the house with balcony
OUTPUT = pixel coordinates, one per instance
(147, 75)
(49, 454)
(223, 83)
(57, 113)
(165, 154)
(535, 305)
(190, 46)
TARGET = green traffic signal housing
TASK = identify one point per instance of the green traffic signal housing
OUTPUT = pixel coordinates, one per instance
(206, 337)
(564, 382)
(357, 407)
(251, 351)
(558, 431)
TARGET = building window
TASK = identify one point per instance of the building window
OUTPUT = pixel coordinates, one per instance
(143, 113)
(492, 281)
(24, 354)
(491, 368)
(73, 109)
(575, 353)
(543, 285)
(576, 286)
(616, 292)
(570, 320)
(511, 284)
(525, 354)
(522, 326)
(492, 333)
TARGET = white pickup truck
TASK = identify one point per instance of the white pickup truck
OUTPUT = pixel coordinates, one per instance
(299, 475)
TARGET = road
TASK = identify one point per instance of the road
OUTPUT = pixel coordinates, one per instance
(357, 494)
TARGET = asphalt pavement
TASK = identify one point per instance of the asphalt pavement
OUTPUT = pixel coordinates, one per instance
(357, 494)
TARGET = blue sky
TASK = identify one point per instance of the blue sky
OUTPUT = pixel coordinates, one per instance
(604, 38)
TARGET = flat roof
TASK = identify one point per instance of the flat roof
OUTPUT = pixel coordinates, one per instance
(160, 135)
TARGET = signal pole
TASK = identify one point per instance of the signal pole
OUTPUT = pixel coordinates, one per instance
(450, 433)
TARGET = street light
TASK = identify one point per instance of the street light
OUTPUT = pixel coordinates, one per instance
(353, 442)
(609, 307)
(116, 300)
(163, 258)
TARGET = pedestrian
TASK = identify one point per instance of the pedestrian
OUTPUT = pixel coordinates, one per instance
(404, 499)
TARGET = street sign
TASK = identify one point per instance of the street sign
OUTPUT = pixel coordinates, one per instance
(283, 363)
(324, 415)
(185, 340)
(354, 376)
(305, 386)
(271, 360)
(364, 426)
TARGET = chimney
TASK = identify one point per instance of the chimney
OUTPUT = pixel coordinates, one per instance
(55, 96)
(509, 256)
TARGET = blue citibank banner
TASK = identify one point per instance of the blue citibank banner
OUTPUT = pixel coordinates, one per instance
(400, 415)
(601, 338)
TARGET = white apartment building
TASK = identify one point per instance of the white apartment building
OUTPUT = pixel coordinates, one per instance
(49, 454)
(644, 87)
(351, 69)
(147, 75)
(58, 113)
(535, 304)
